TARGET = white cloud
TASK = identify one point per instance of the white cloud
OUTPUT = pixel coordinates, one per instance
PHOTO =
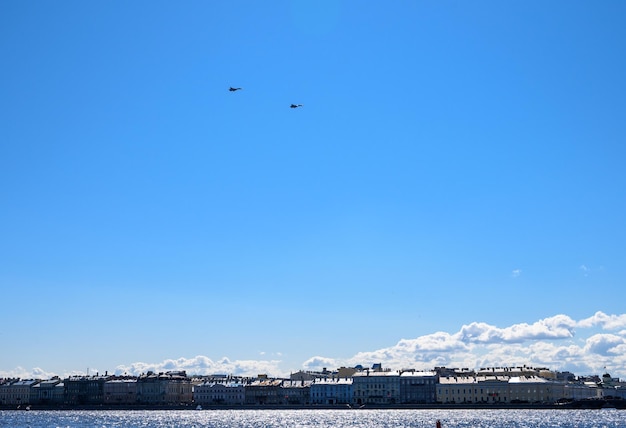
(516, 273)
(604, 344)
(22, 373)
(556, 342)
(549, 342)
(424, 352)
(557, 327)
(607, 322)
(318, 363)
(584, 269)
(202, 365)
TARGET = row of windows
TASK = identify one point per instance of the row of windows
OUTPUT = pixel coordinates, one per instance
(494, 391)
(322, 394)
(375, 386)
(366, 393)
(218, 397)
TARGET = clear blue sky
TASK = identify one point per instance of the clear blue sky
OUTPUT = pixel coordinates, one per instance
(454, 163)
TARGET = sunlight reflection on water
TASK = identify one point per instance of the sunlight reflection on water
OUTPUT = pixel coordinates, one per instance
(317, 418)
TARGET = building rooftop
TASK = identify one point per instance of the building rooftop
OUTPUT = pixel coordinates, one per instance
(527, 379)
(375, 374)
(338, 381)
(418, 374)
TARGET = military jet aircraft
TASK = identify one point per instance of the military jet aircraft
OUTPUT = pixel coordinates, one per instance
(295, 105)
(231, 89)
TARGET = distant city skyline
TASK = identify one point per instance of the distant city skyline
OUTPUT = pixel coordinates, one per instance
(450, 193)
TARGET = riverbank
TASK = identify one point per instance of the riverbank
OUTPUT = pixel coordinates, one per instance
(578, 404)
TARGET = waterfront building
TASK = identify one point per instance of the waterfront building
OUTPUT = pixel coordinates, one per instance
(566, 376)
(49, 391)
(310, 375)
(533, 389)
(120, 391)
(493, 389)
(612, 387)
(376, 387)
(345, 372)
(331, 391)
(229, 393)
(172, 387)
(264, 391)
(17, 392)
(417, 387)
(80, 390)
(508, 389)
(580, 390)
(296, 392)
(459, 389)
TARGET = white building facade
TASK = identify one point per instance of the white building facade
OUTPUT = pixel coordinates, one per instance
(225, 393)
(120, 391)
(505, 389)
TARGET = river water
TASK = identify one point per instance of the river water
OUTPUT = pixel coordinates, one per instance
(365, 418)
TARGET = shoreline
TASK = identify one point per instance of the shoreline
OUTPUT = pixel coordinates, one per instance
(575, 405)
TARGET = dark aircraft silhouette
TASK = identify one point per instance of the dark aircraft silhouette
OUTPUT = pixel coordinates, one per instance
(295, 105)
(231, 89)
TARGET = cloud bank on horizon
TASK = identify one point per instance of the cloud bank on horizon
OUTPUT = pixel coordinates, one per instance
(588, 346)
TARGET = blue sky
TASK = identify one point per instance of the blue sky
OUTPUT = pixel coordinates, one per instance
(456, 167)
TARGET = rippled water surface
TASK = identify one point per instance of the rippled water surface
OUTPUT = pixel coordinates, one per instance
(604, 418)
